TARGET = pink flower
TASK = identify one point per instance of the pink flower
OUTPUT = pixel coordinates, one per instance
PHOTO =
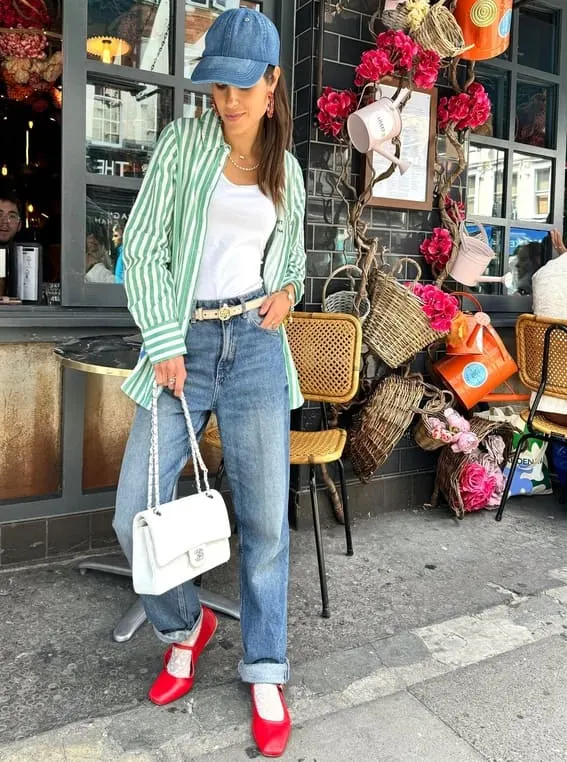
(456, 421)
(437, 248)
(334, 108)
(427, 69)
(374, 64)
(465, 110)
(455, 209)
(465, 441)
(476, 486)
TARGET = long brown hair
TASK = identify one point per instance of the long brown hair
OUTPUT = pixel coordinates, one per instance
(277, 139)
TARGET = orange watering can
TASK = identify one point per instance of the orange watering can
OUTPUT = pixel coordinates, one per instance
(486, 26)
(479, 362)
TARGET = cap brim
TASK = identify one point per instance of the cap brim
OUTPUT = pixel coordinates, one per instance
(238, 72)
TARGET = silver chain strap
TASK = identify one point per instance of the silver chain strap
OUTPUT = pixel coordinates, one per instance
(153, 466)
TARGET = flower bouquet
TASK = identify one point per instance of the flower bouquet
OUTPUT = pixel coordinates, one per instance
(474, 480)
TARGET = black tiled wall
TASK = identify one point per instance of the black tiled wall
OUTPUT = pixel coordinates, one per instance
(346, 36)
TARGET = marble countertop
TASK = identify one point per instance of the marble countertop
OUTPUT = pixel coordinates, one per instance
(108, 355)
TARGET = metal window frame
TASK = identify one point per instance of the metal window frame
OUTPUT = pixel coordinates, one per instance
(508, 302)
(75, 179)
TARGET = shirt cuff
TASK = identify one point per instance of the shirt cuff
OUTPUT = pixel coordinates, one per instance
(164, 342)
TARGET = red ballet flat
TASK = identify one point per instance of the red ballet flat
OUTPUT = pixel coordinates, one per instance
(167, 688)
(271, 737)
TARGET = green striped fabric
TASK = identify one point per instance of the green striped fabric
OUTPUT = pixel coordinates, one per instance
(164, 238)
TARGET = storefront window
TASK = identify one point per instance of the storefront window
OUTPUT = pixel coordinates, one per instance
(538, 39)
(136, 34)
(536, 107)
(485, 182)
(123, 124)
(532, 188)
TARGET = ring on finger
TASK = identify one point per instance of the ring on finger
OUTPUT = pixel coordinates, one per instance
(171, 381)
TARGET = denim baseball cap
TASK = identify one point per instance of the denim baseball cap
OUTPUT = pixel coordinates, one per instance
(239, 47)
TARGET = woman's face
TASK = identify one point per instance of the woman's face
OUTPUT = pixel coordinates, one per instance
(116, 237)
(241, 111)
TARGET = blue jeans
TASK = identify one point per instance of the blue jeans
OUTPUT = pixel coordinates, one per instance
(236, 369)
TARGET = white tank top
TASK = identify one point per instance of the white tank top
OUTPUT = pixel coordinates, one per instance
(239, 224)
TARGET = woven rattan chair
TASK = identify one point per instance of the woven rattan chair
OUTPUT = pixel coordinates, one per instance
(541, 345)
(326, 350)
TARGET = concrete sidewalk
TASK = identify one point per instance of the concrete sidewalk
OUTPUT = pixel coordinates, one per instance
(447, 642)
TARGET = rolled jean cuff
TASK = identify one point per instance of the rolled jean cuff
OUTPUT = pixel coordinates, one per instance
(177, 636)
(264, 672)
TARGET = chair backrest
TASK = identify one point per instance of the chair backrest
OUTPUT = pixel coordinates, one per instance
(326, 349)
(530, 336)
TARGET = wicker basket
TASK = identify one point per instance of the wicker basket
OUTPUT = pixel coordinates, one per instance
(451, 464)
(380, 425)
(396, 328)
(434, 406)
(441, 33)
(345, 301)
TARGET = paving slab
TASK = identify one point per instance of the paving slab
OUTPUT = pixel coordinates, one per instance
(393, 729)
(510, 708)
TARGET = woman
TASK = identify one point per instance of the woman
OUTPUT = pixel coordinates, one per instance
(549, 285)
(214, 261)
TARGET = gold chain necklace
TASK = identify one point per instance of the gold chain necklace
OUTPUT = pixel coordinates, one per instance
(243, 169)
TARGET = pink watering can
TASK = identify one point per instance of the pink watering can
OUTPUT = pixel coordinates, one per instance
(375, 124)
(473, 258)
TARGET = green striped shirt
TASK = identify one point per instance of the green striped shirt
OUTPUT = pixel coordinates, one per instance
(164, 238)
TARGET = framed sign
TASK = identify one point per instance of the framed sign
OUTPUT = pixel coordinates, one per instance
(413, 189)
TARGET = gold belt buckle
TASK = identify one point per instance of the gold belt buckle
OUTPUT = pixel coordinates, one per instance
(224, 312)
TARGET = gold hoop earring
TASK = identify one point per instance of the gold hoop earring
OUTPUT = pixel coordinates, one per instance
(215, 109)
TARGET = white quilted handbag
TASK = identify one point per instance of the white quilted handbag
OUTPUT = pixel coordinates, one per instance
(180, 540)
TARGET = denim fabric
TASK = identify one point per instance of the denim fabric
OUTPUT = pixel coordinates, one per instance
(236, 369)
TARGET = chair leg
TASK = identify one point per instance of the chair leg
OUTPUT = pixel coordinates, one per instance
(319, 543)
(515, 459)
(346, 509)
(219, 476)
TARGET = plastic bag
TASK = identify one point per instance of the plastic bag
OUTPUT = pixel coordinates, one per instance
(531, 476)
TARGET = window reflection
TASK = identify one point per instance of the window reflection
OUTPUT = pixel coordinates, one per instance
(131, 33)
(529, 250)
(194, 104)
(531, 189)
(485, 182)
(123, 125)
(107, 212)
(535, 114)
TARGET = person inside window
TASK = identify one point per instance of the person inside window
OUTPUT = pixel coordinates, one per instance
(98, 267)
(549, 286)
(214, 260)
(10, 217)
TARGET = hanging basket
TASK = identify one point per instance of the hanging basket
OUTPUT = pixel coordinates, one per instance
(397, 328)
(434, 406)
(345, 301)
(440, 32)
(450, 464)
(381, 424)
